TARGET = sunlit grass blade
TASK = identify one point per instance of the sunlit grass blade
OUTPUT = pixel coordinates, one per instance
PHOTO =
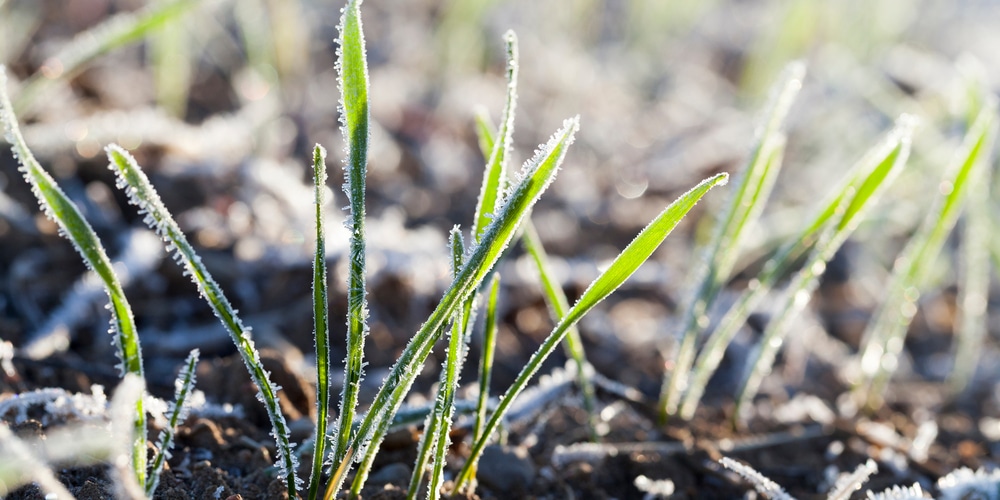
(555, 297)
(627, 262)
(141, 193)
(883, 339)
(321, 325)
(536, 176)
(751, 191)
(354, 115)
(842, 211)
(495, 177)
(974, 274)
(115, 32)
(449, 381)
(122, 413)
(183, 388)
(171, 57)
(486, 360)
(58, 207)
(20, 465)
(439, 418)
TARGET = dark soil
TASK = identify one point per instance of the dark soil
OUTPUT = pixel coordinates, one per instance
(239, 195)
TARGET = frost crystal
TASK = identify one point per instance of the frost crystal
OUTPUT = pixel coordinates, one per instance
(966, 484)
(899, 493)
(763, 485)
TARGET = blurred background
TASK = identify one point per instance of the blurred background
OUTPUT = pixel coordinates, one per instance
(223, 103)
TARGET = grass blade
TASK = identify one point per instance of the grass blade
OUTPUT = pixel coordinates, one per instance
(115, 32)
(884, 335)
(627, 262)
(354, 119)
(183, 387)
(753, 188)
(486, 359)
(841, 212)
(536, 176)
(321, 325)
(495, 178)
(142, 194)
(72, 225)
(20, 465)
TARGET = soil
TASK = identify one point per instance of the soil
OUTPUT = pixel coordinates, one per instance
(241, 191)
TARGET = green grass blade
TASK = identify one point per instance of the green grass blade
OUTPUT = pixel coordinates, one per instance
(142, 194)
(321, 325)
(555, 297)
(72, 225)
(883, 339)
(842, 211)
(183, 387)
(449, 381)
(115, 32)
(495, 177)
(427, 441)
(973, 288)
(753, 187)
(536, 176)
(354, 118)
(171, 57)
(627, 262)
(486, 360)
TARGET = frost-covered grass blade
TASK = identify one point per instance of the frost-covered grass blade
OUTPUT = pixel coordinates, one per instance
(58, 207)
(537, 174)
(840, 212)
(883, 339)
(486, 360)
(627, 262)
(183, 388)
(354, 117)
(321, 328)
(142, 194)
(746, 203)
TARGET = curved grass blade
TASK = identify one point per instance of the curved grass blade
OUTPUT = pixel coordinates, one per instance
(841, 212)
(753, 188)
(627, 262)
(974, 284)
(183, 387)
(495, 178)
(72, 225)
(883, 339)
(141, 193)
(437, 419)
(354, 120)
(321, 325)
(555, 297)
(115, 32)
(536, 176)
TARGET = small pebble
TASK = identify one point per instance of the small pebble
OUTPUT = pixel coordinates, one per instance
(505, 468)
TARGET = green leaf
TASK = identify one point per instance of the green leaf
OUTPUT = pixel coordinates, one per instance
(74, 227)
(536, 176)
(321, 323)
(141, 193)
(183, 387)
(836, 218)
(627, 262)
(883, 339)
(753, 188)
(354, 118)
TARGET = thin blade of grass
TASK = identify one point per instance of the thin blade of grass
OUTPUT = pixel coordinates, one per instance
(753, 188)
(627, 262)
(536, 176)
(354, 113)
(171, 54)
(807, 278)
(115, 32)
(486, 361)
(183, 387)
(883, 339)
(141, 193)
(554, 295)
(974, 275)
(20, 465)
(321, 325)
(74, 227)
(841, 212)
